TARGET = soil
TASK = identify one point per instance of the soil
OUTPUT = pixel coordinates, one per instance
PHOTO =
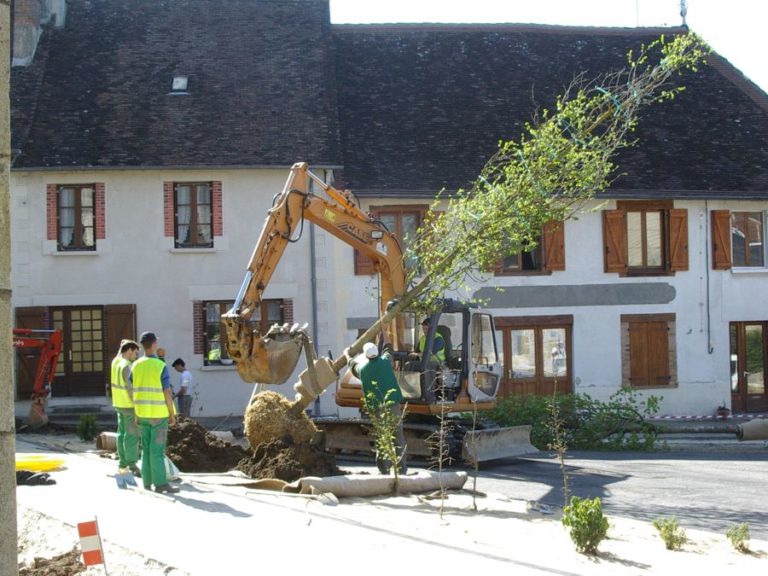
(192, 449)
(61, 565)
(288, 461)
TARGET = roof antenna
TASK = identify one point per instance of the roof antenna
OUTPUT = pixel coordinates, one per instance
(684, 11)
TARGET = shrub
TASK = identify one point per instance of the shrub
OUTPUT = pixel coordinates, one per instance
(588, 526)
(87, 428)
(673, 535)
(587, 424)
(739, 536)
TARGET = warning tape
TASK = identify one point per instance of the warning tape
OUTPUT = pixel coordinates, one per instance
(704, 417)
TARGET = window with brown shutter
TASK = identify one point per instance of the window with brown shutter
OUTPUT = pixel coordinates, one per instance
(547, 256)
(747, 244)
(648, 343)
(645, 238)
(721, 239)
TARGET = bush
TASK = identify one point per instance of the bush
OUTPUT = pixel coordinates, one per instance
(87, 428)
(588, 526)
(587, 424)
(739, 537)
(674, 537)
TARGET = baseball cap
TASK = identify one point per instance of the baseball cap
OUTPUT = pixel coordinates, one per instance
(370, 350)
(426, 321)
(148, 337)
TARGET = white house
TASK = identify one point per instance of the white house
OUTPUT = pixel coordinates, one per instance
(150, 138)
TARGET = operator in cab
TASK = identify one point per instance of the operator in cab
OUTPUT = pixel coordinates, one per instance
(438, 346)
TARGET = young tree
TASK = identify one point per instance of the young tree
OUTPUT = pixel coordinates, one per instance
(563, 158)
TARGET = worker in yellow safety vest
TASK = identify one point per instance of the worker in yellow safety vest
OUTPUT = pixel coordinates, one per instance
(153, 403)
(438, 344)
(122, 400)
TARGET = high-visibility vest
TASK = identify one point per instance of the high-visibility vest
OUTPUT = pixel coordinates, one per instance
(440, 354)
(148, 396)
(120, 396)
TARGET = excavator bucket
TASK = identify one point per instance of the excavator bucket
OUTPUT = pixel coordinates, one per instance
(266, 359)
(37, 417)
(494, 443)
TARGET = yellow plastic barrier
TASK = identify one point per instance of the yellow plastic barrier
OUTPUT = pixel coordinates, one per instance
(39, 462)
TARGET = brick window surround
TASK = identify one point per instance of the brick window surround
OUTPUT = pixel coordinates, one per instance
(52, 216)
(168, 208)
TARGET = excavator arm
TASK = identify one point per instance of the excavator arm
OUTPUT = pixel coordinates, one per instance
(270, 358)
(48, 342)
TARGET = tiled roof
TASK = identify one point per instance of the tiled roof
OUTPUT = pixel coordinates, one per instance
(421, 107)
(261, 86)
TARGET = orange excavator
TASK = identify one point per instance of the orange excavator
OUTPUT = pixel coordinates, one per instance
(465, 379)
(48, 343)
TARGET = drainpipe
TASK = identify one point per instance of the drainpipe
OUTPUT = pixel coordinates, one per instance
(313, 288)
(707, 226)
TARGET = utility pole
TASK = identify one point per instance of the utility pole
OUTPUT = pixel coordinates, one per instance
(8, 532)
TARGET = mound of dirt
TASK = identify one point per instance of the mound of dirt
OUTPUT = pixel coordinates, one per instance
(288, 461)
(61, 565)
(268, 418)
(193, 449)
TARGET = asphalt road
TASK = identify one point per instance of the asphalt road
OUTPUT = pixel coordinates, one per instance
(703, 489)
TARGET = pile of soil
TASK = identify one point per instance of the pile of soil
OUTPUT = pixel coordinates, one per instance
(282, 444)
(61, 565)
(269, 418)
(193, 449)
(288, 461)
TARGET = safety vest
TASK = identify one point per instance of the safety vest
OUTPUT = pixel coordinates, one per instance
(120, 396)
(440, 354)
(148, 397)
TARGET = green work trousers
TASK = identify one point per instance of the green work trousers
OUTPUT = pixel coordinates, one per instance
(127, 437)
(154, 434)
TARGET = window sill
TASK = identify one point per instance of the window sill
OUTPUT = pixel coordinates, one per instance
(755, 270)
(217, 367)
(76, 253)
(193, 250)
(498, 274)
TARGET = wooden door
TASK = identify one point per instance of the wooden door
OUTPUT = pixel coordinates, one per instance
(748, 361)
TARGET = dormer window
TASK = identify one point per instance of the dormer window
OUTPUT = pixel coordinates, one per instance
(179, 85)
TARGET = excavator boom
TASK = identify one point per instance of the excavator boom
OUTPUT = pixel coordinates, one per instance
(271, 357)
(48, 342)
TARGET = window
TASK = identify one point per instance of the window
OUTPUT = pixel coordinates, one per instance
(215, 352)
(536, 354)
(193, 215)
(747, 239)
(648, 350)
(76, 218)
(403, 222)
(645, 238)
(546, 256)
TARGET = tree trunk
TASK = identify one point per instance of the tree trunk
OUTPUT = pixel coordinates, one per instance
(8, 534)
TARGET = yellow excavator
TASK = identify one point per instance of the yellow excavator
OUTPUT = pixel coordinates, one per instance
(464, 380)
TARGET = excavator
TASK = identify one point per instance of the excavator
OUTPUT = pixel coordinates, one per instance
(48, 342)
(465, 381)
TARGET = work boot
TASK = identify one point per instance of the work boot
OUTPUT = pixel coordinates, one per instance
(166, 489)
(135, 470)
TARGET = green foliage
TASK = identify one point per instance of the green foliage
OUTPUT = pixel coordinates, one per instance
(586, 424)
(739, 536)
(564, 156)
(87, 429)
(384, 424)
(586, 522)
(673, 535)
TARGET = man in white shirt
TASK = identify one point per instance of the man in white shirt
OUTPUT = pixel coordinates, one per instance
(184, 395)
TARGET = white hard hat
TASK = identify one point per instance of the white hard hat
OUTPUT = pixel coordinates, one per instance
(370, 350)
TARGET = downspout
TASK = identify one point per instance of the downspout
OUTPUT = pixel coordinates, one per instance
(313, 288)
(707, 226)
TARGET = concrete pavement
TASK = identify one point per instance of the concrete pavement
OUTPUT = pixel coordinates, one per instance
(212, 529)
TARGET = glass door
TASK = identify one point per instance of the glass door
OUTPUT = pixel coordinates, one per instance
(747, 359)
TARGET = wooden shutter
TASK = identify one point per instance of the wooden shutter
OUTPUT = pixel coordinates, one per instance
(721, 240)
(363, 265)
(678, 240)
(615, 240)
(649, 354)
(35, 318)
(553, 237)
(119, 324)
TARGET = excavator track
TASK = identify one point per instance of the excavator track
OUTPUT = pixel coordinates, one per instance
(353, 437)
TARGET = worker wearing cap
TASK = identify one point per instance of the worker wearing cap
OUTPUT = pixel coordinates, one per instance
(153, 402)
(381, 390)
(122, 400)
